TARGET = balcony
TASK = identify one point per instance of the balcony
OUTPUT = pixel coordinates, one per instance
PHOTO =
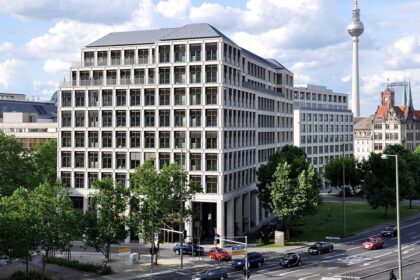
(102, 61)
(129, 61)
(115, 61)
(85, 82)
(111, 81)
(125, 81)
(90, 62)
(98, 82)
(139, 81)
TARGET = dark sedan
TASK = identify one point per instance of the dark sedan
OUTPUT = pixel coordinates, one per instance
(320, 248)
(290, 259)
(188, 249)
(254, 260)
(389, 231)
(215, 273)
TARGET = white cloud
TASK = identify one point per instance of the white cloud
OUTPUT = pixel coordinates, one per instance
(6, 47)
(7, 69)
(55, 65)
(346, 79)
(173, 8)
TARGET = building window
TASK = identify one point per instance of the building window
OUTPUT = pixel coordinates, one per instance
(180, 96)
(164, 54)
(120, 159)
(106, 160)
(66, 139)
(121, 118)
(195, 52)
(111, 77)
(163, 159)
(79, 180)
(164, 75)
(164, 96)
(93, 118)
(93, 160)
(106, 139)
(151, 76)
(164, 119)
(211, 73)
(211, 184)
(143, 56)
(195, 139)
(195, 162)
(211, 96)
(66, 99)
(179, 51)
(195, 180)
(66, 119)
(149, 118)
(80, 98)
(180, 75)
(135, 139)
(179, 158)
(135, 118)
(139, 77)
(149, 97)
(92, 177)
(106, 118)
(103, 58)
(164, 141)
(79, 118)
(179, 139)
(65, 159)
(195, 74)
(121, 96)
(211, 139)
(149, 139)
(121, 178)
(93, 98)
(195, 118)
(211, 51)
(134, 160)
(80, 139)
(150, 156)
(106, 98)
(180, 118)
(121, 139)
(195, 96)
(79, 159)
(93, 139)
(135, 95)
(211, 162)
(66, 179)
(115, 57)
(211, 118)
(128, 57)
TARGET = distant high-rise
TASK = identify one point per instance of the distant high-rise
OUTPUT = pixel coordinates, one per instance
(355, 29)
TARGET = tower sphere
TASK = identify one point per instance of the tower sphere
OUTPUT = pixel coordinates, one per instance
(355, 28)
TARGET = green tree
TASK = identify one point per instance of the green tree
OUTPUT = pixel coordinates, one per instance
(44, 162)
(161, 198)
(106, 225)
(294, 156)
(18, 225)
(15, 169)
(294, 197)
(56, 220)
(333, 172)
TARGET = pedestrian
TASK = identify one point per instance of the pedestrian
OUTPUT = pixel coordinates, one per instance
(392, 275)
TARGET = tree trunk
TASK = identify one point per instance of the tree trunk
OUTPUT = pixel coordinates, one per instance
(44, 262)
(410, 205)
(107, 253)
(386, 211)
(27, 264)
(286, 228)
(156, 253)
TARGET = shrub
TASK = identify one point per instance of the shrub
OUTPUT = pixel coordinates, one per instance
(32, 275)
(88, 267)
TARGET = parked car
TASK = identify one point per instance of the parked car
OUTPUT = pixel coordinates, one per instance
(254, 260)
(215, 273)
(290, 259)
(188, 249)
(321, 247)
(389, 231)
(4, 260)
(373, 243)
(219, 254)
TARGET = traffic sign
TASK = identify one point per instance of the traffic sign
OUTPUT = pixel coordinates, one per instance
(238, 250)
(124, 250)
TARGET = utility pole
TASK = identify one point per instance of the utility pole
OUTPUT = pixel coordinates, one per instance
(152, 247)
(182, 216)
(344, 194)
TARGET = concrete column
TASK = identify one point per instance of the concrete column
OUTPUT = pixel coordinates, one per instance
(189, 224)
(221, 219)
(253, 209)
(238, 215)
(246, 206)
(230, 219)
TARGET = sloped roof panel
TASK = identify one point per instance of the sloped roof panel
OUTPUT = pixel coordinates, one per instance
(43, 109)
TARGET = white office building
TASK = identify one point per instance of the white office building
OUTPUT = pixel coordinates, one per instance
(323, 124)
(185, 93)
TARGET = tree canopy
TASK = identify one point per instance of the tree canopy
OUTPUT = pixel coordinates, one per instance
(333, 172)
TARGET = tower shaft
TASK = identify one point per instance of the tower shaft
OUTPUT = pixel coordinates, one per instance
(355, 79)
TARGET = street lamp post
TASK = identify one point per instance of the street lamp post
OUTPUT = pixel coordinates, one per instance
(397, 194)
(344, 195)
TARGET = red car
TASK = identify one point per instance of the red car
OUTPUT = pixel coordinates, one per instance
(373, 243)
(219, 254)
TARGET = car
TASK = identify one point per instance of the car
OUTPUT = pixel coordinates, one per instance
(4, 260)
(254, 260)
(389, 231)
(373, 243)
(188, 249)
(214, 273)
(290, 259)
(321, 247)
(219, 254)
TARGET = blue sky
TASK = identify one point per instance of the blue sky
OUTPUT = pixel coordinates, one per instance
(39, 39)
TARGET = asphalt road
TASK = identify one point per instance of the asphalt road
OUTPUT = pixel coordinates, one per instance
(348, 259)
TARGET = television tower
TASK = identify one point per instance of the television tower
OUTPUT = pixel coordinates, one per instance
(355, 29)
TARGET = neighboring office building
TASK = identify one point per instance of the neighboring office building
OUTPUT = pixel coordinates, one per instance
(363, 144)
(185, 93)
(323, 124)
(31, 122)
(395, 124)
(12, 96)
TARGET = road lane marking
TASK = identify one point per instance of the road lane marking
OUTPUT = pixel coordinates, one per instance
(368, 263)
(310, 276)
(411, 233)
(354, 248)
(382, 255)
(414, 237)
